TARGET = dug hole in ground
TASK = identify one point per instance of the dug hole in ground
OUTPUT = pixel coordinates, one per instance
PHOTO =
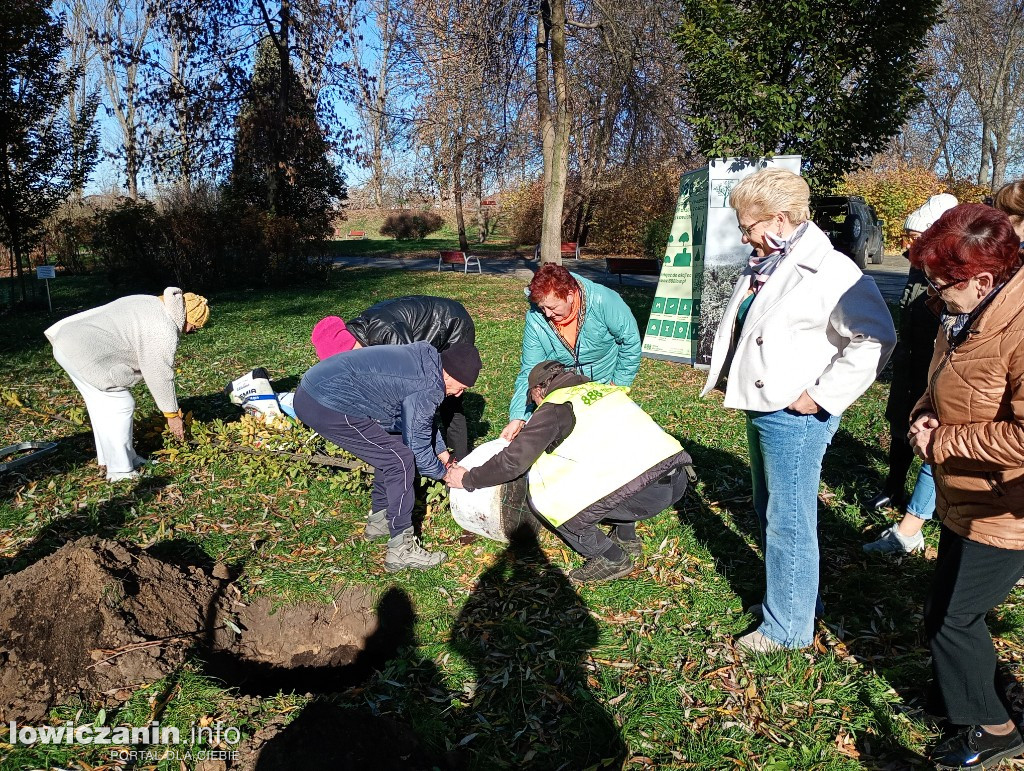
(97, 619)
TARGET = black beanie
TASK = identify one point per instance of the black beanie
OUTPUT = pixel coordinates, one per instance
(462, 362)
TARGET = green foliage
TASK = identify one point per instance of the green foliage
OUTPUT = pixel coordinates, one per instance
(44, 156)
(281, 164)
(126, 239)
(832, 80)
(895, 193)
(407, 225)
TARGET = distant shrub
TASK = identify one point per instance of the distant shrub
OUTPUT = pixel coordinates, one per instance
(68, 237)
(408, 225)
(522, 209)
(127, 240)
(633, 212)
(199, 239)
(896, 193)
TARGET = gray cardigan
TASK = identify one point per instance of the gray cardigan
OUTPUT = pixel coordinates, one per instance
(134, 338)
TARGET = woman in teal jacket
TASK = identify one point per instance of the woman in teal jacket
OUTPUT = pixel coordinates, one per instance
(580, 324)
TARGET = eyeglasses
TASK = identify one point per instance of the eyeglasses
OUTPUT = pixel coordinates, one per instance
(940, 288)
(745, 229)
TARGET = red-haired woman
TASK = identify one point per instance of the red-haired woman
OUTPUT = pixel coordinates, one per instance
(970, 426)
(580, 324)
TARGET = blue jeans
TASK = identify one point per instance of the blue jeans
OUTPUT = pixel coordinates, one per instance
(922, 500)
(786, 449)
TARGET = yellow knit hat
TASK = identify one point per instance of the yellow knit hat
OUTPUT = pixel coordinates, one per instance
(197, 312)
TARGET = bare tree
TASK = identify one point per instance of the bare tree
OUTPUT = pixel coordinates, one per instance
(463, 62)
(373, 93)
(987, 42)
(79, 54)
(122, 33)
(554, 121)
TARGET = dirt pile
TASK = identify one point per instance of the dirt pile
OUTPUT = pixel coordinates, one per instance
(96, 619)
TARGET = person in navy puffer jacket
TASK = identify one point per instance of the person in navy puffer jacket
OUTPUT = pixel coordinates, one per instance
(379, 403)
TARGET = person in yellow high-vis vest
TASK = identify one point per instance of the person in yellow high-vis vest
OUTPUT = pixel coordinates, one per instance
(592, 456)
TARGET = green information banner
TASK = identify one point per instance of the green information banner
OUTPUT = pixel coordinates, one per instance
(673, 329)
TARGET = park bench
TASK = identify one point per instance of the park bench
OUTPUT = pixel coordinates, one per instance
(633, 266)
(455, 258)
(569, 249)
(358, 235)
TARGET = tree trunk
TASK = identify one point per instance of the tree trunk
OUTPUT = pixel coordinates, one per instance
(983, 169)
(554, 123)
(460, 218)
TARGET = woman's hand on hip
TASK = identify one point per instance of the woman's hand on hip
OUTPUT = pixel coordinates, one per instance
(509, 432)
(805, 405)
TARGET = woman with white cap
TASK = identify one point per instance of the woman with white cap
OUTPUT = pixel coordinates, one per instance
(107, 350)
(917, 330)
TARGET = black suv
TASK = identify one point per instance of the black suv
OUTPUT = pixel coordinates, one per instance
(852, 226)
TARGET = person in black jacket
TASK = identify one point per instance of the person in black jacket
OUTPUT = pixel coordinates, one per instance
(917, 329)
(401, 320)
(593, 456)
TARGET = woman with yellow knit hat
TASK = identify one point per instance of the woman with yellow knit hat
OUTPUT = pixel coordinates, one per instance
(109, 349)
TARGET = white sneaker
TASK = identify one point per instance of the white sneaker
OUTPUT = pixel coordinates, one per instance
(755, 642)
(891, 541)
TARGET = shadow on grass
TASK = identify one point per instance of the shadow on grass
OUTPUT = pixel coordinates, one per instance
(104, 520)
(327, 734)
(527, 635)
(725, 482)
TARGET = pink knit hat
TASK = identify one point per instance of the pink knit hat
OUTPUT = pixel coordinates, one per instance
(330, 336)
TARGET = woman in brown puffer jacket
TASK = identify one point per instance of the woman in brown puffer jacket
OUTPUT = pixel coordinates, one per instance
(970, 426)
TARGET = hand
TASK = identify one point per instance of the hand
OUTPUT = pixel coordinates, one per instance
(926, 421)
(921, 433)
(805, 405)
(177, 427)
(445, 457)
(453, 477)
(921, 444)
(509, 432)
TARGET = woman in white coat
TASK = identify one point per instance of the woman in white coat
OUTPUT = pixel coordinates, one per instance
(803, 336)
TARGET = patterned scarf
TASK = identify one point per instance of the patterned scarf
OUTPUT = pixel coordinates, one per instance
(764, 267)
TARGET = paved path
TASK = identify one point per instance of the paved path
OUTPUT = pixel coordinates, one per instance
(890, 276)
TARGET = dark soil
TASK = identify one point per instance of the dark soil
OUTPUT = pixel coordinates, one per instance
(94, 620)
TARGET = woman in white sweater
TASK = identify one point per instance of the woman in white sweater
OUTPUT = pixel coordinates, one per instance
(109, 349)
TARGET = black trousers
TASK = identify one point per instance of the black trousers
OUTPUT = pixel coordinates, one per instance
(901, 457)
(583, 534)
(970, 579)
(394, 465)
(454, 427)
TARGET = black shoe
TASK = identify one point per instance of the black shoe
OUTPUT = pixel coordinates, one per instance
(976, 748)
(601, 569)
(632, 546)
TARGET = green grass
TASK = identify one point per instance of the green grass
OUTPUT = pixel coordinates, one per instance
(376, 245)
(506, 664)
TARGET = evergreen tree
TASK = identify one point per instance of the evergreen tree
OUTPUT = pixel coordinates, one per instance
(42, 157)
(281, 162)
(832, 80)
